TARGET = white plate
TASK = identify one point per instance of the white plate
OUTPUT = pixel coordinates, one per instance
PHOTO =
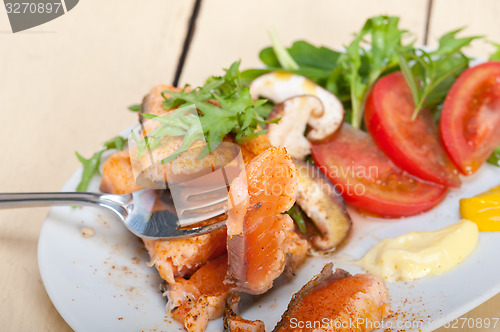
(102, 283)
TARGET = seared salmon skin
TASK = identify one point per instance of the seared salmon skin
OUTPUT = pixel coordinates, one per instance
(349, 303)
(256, 228)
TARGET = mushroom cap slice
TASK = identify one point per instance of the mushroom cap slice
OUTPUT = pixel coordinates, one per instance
(321, 202)
(295, 114)
(278, 86)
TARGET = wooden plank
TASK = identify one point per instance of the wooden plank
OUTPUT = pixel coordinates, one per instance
(227, 30)
(65, 86)
(478, 18)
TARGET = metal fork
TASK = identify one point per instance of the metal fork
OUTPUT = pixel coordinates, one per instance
(148, 213)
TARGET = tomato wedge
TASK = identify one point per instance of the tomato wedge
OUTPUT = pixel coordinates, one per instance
(368, 180)
(470, 120)
(414, 146)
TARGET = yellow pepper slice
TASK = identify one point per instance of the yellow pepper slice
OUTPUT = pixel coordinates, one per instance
(483, 209)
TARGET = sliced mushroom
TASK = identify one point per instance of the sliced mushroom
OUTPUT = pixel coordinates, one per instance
(295, 114)
(234, 323)
(321, 202)
(278, 86)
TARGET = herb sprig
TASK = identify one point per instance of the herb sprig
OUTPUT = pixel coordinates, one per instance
(183, 122)
(494, 159)
(350, 74)
(365, 61)
(91, 165)
(430, 75)
(237, 113)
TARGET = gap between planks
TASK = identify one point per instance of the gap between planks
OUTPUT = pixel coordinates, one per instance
(187, 41)
(192, 27)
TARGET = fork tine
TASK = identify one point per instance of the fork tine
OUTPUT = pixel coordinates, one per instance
(200, 210)
(191, 214)
(206, 198)
(197, 193)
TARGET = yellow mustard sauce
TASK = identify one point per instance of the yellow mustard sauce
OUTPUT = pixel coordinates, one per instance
(418, 254)
(483, 209)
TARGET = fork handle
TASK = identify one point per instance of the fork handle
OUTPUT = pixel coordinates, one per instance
(12, 200)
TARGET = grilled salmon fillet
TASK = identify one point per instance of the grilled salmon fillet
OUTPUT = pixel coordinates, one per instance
(234, 323)
(171, 258)
(153, 101)
(340, 298)
(117, 175)
(175, 258)
(200, 298)
(256, 229)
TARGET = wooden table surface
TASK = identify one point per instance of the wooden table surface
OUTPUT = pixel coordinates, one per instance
(65, 85)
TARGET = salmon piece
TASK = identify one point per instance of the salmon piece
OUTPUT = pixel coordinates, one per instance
(234, 323)
(341, 298)
(252, 148)
(171, 258)
(178, 258)
(296, 250)
(153, 102)
(200, 298)
(117, 175)
(256, 229)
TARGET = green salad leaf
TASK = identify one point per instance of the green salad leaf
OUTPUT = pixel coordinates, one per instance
(494, 159)
(237, 113)
(495, 56)
(180, 122)
(364, 62)
(135, 108)
(350, 74)
(430, 75)
(91, 165)
(298, 216)
(284, 58)
(315, 63)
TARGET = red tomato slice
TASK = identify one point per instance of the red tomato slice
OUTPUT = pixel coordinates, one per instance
(470, 121)
(414, 146)
(368, 180)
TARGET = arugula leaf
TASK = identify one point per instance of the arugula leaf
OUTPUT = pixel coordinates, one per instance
(364, 62)
(315, 63)
(297, 215)
(430, 75)
(180, 122)
(305, 55)
(116, 142)
(91, 165)
(319, 64)
(235, 114)
(135, 108)
(284, 58)
(495, 56)
(494, 159)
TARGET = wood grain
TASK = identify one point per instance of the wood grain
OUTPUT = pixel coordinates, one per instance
(478, 18)
(227, 30)
(65, 86)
